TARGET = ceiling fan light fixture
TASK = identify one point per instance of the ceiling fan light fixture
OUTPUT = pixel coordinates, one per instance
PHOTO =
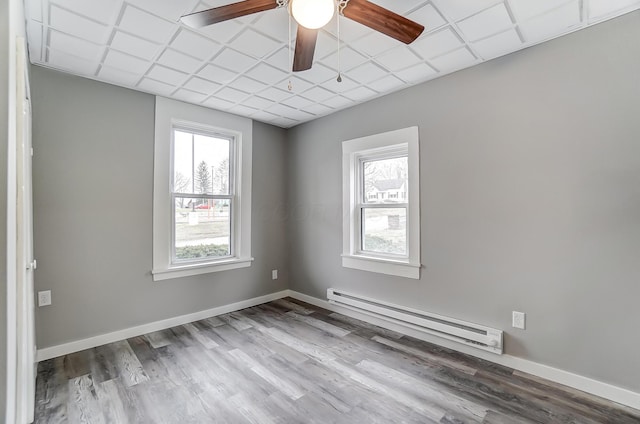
(312, 14)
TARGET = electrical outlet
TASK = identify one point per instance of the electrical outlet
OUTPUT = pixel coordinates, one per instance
(44, 298)
(518, 320)
(274, 274)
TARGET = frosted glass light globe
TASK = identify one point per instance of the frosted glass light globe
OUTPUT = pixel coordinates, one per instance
(312, 14)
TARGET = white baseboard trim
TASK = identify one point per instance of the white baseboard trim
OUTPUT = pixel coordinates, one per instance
(102, 339)
(608, 391)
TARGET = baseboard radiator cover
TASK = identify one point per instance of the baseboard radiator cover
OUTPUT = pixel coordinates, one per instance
(470, 334)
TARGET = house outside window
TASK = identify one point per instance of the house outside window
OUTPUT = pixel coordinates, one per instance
(381, 227)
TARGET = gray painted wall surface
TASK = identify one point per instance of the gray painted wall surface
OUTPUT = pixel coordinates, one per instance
(93, 175)
(530, 199)
(4, 83)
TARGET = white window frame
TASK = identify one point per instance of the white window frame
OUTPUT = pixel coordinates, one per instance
(171, 115)
(380, 146)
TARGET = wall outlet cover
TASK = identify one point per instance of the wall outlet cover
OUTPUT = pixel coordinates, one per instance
(518, 320)
(44, 298)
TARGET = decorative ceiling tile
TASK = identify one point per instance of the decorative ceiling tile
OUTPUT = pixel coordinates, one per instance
(367, 73)
(264, 116)
(374, 44)
(195, 45)
(429, 17)
(167, 75)
(454, 60)
(527, 9)
(275, 24)
(498, 44)
(254, 44)
(118, 76)
(553, 23)
(219, 104)
(168, 9)
(79, 26)
(223, 31)
(437, 43)
(387, 84)
(248, 84)
(258, 102)
(297, 102)
(180, 61)
(104, 11)
(318, 94)
(337, 102)
(135, 46)
(345, 60)
(232, 95)
(243, 110)
(267, 74)
(398, 58)
(360, 93)
(217, 74)
(460, 9)
(488, 22)
(280, 109)
(125, 62)
(297, 85)
(75, 46)
(145, 25)
(340, 87)
(233, 60)
(77, 65)
(599, 9)
(189, 96)
(317, 109)
(155, 87)
(280, 59)
(275, 94)
(35, 41)
(201, 85)
(417, 73)
(318, 74)
(400, 7)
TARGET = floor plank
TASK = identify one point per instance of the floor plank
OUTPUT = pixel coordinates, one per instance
(289, 362)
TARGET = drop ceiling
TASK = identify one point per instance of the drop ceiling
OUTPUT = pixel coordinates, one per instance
(243, 66)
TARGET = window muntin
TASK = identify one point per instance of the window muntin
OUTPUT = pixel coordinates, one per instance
(202, 194)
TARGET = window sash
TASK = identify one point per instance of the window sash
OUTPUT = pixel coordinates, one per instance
(359, 230)
(174, 259)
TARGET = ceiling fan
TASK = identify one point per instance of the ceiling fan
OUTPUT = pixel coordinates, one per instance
(311, 15)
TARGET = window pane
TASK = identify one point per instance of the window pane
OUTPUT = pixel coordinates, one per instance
(384, 230)
(182, 164)
(211, 162)
(202, 228)
(385, 181)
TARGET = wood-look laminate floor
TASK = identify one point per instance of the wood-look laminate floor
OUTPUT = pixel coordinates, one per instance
(290, 362)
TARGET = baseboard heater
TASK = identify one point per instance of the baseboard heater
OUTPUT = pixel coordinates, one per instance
(470, 334)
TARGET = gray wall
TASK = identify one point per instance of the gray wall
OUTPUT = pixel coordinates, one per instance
(93, 175)
(4, 69)
(530, 199)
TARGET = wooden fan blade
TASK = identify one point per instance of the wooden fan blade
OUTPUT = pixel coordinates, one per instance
(224, 13)
(383, 20)
(305, 47)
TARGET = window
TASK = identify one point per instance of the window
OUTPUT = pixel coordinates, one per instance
(202, 191)
(381, 228)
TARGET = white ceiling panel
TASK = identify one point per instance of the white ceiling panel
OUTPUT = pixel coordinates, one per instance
(75, 46)
(454, 60)
(599, 9)
(498, 44)
(436, 44)
(134, 46)
(180, 61)
(125, 62)
(488, 22)
(79, 26)
(244, 65)
(398, 58)
(145, 25)
(71, 62)
(555, 22)
(195, 45)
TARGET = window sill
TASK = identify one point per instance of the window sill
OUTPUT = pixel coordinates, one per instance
(382, 266)
(196, 269)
